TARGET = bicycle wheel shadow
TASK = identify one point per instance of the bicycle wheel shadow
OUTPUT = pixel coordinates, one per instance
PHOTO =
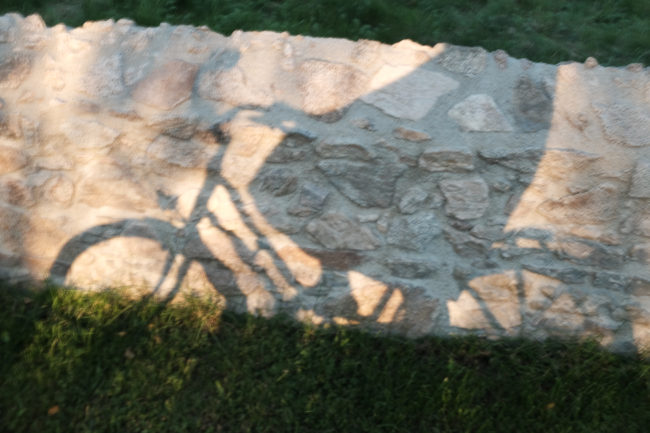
(397, 196)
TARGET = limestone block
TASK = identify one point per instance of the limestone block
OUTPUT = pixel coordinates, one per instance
(500, 294)
(412, 268)
(641, 253)
(14, 191)
(410, 134)
(104, 78)
(311, 200)
(465, 312)
(594, 206)
(447, 159)
(11, 159)
(328, 88)
(413, 232)
(363, 183)
(278, 181)
(232, 86)
(337, 232)
(466, 245)
(89, 134)
(466, 199)
(521, 160)
(186, 154)
(167, 86)
(533, 106)
(479, 113)
(469, 61)
(641, 180)
(391, 84)
(412, 200)
(625, 124)
(344, 148)
(14, 69)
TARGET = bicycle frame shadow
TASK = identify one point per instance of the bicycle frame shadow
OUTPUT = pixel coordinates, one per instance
(263, 238)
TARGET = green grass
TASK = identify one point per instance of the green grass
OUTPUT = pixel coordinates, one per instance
(551, 31)
(103, 363)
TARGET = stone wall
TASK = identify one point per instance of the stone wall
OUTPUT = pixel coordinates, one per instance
(404, 188)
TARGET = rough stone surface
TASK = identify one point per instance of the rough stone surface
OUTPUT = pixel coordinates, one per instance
(469, 61)
(13, 70)
(167, 86)
(522, 160)
(11, 159)
(363, 183)
(626, 125)
(311, 200)
(343, 148)
(641, 180)
(329, 88)
(410, 268)
(597, 205)
(411, 134)
(404, 189)
(412, 200)
(337, 232)
(413, 232)
(479, 113)
(466, 199)
(447, 160)
(390, 85)
(532, 105)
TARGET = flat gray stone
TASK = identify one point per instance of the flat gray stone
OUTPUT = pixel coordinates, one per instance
(338, 232)
(624, 124)
(11, 159)
(641, 253)
(466, 198)
(328, 89)
(368, 185)
(612, 281)
(412, 200)
(405, 92)
(533, 106)
(641, 180)
(410, 134)
(469, 61)
(466, 245)
(232, 86)
(479, 113)
(594, 206)
(167, 86)
(413, 232)
(292, 148)
(89, 134)
(412, 268)
(14, 69)
(567, 275)
(343, 148)
(453, 160)
(522, 160)
(563, 163)
(279, 181)
(186, 154)
(311, 200)
(104, 77)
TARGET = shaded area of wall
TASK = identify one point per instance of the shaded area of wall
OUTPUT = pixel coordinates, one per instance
(403, 188)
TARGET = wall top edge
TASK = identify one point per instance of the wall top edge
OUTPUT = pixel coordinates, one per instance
(37, 25)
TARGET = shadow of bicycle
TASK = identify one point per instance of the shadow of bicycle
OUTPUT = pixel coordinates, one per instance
(369, 185)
